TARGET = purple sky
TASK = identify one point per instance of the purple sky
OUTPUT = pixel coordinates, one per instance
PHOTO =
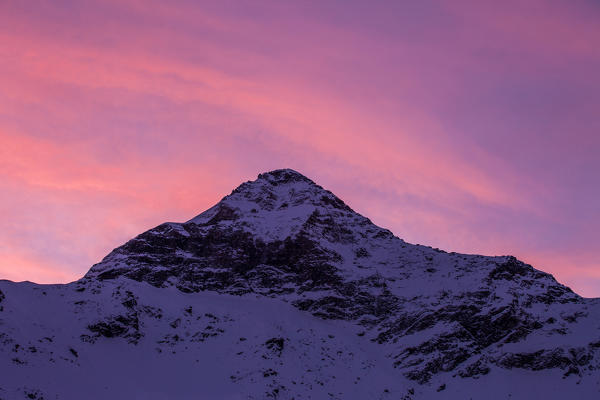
(470, 126)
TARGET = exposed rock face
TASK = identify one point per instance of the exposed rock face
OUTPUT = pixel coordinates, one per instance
(284, 238)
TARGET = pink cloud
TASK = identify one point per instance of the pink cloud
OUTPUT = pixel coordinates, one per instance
(120, 116)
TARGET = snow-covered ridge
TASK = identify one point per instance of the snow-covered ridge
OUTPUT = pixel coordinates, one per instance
(439, 321)
(274, 205)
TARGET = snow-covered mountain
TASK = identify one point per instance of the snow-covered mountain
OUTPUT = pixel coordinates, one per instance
(283, 291)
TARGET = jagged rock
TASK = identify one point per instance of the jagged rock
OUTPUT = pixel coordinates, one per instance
(120, 325)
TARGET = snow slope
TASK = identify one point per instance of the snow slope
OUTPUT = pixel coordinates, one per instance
(282, 291)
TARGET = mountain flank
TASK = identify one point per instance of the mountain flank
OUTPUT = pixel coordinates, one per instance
(282, 291)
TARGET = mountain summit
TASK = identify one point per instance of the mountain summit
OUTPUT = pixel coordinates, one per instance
(283, 291)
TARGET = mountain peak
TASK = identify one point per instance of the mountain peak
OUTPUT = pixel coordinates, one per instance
(275, 205)
(277, 191)
(282, 176)
(286, 238)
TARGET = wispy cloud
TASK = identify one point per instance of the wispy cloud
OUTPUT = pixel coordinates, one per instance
(471, 127)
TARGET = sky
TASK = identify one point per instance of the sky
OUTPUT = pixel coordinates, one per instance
(472, 126)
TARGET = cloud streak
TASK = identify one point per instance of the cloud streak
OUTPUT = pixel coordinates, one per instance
(460, 126)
